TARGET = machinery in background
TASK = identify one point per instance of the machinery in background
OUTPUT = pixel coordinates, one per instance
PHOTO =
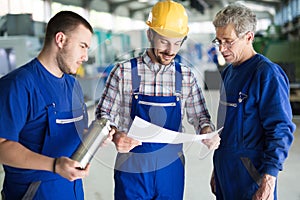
(16, 51)
(285, 52)
(20, 40)
(106, 49)
(103, 52)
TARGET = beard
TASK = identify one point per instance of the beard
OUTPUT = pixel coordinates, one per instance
(159, 56)
(159, 53)
(162, 60)
(61, 59)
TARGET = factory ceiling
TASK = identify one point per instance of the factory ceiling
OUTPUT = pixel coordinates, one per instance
(198, 10)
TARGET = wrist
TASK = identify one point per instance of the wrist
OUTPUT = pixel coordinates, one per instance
(269, 180)
(205, 130)
(114, 128)
(115, 136)
(54, 165)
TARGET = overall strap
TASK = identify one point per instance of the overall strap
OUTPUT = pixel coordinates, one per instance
(136, 79)
(178, 78)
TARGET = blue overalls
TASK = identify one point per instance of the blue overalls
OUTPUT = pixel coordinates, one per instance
(237, 167)
(61, 139)
(152, 170)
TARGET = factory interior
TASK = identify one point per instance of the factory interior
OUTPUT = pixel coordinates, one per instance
(120, 33)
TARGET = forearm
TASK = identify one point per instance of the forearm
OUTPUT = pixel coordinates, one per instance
(108, 104)
(197, 112)
(16, 155)
(268, 179)
(266, 188)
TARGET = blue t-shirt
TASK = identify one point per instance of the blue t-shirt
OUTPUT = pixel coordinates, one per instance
(23, 106)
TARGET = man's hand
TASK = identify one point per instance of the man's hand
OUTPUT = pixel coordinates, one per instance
(266, 189)
(213, 183)
(109, 137)
(212, 143)
(70, 169)
(123, 143)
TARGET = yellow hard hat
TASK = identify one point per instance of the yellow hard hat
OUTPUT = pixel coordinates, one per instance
(169, 19)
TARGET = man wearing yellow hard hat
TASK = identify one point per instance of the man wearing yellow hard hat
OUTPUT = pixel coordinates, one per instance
(159, 90)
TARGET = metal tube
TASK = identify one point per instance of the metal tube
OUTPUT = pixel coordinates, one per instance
(97, 133)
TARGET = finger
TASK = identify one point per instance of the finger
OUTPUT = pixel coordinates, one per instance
(123, 147)
(132, 142)
(137, 142)
(127, 145)
(87, 169)
(88, 166)
(207, 142)
(112, 132)
(211, 145)
(107, 140)
(82, 174)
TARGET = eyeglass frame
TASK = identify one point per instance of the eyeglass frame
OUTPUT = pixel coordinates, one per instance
(227, 45)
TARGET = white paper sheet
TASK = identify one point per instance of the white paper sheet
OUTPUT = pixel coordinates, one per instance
(144, 131)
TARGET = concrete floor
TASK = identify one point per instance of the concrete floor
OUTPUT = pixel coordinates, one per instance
(99, 184)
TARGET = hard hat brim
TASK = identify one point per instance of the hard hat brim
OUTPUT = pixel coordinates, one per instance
(169, 33)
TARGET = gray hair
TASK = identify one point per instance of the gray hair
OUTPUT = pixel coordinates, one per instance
(242, 18)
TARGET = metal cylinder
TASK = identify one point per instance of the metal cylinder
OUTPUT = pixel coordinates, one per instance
(97, 133)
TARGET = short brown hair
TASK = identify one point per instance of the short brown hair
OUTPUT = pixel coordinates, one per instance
(64, 21)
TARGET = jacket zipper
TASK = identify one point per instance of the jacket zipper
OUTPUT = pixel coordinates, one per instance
(228, 104)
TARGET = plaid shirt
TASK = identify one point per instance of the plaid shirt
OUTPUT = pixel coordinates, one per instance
(156, 80)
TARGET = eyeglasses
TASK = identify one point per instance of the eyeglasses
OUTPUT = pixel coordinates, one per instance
(227, 45)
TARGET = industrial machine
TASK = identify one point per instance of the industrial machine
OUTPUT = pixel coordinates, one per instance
(106, 49)
(16, 51)
(285, 52)
(20, 40)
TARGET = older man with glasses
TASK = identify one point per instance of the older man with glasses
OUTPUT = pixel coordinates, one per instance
(254, 109)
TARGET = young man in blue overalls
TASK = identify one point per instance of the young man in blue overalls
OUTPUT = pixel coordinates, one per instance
(158, 90)
(43, 115)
